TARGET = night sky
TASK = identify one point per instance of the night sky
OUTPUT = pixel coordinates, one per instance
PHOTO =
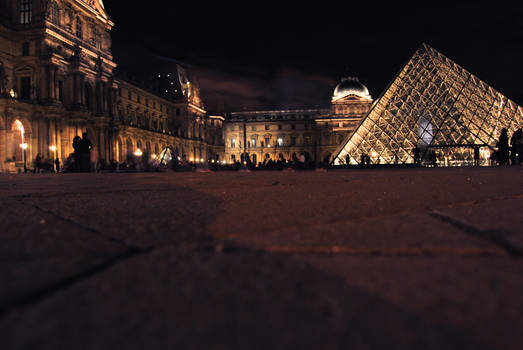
(269, 55)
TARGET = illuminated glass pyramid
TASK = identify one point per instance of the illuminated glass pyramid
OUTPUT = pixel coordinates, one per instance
(432, 107)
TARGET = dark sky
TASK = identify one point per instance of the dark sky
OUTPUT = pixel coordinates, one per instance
(271, 54)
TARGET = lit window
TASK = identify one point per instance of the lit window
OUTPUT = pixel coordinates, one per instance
(280, 141)
(253, 142)
(233, 143)
(26, 11)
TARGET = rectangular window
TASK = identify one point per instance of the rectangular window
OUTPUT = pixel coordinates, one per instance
(233, 143)
(253, 142)
(293, 126)
(279, 126)
(26, 11)
(280, 141)
(266, 126)
(293, 141)
(267, 142)
(25, 49)
(25, 88)
(254, 128)
(60, 90)
(97, 37)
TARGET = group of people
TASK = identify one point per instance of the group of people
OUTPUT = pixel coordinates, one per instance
(84, 157)
(513, 154)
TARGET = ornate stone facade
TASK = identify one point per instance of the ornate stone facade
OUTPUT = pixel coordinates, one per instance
(285, 134)
(57, 81)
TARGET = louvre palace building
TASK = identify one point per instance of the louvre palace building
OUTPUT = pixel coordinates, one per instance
(57, 81)
(286, 134)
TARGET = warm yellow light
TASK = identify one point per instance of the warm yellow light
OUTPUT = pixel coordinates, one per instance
(201, 160)
(52, 148)
(153, 156)
(138, 152)
(12, 93)
(179, 158)
(374, 154)
(20, 127)
(23, 146)
(191, 159)
(212, 161)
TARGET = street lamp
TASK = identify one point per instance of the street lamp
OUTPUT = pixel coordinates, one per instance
(53, 148)
(138, 152)
(24, 147)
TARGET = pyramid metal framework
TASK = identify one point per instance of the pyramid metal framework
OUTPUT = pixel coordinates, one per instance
(437, 107)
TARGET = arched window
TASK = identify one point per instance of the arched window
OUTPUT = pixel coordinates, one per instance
(26, 11)
(18, 140)
(79, 31)
(55, 14)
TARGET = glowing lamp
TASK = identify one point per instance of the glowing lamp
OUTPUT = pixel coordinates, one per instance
(23, 146)
(52, 148)
(201, 160)
(138, 152)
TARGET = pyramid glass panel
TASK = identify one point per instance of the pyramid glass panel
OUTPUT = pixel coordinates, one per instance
(432, 105)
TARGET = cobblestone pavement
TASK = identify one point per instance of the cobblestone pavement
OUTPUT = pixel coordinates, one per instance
(341, 259)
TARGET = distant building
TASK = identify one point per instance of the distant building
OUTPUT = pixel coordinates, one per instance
(57, 80)
(285, 134)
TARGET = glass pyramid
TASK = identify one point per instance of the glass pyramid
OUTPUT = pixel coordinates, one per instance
(432, 108)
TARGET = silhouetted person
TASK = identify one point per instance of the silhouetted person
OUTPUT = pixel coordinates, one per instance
(476, 156)
(417, 156)
(347, 159)
(85, 147)
(367, 159)
(77, 157)
(518, 145)
(503, 147)
(38, 163)
(57, 164)
(362, 159)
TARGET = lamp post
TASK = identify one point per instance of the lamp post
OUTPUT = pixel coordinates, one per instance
(53, 148)
(24, 147)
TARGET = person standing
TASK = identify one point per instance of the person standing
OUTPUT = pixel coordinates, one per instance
(503, 147)
(476, 155)
(57, 165)
(85, 147)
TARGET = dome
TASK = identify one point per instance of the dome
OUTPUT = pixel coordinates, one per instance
(350, 86)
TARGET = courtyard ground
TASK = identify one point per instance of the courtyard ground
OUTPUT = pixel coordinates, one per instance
(338, 259)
